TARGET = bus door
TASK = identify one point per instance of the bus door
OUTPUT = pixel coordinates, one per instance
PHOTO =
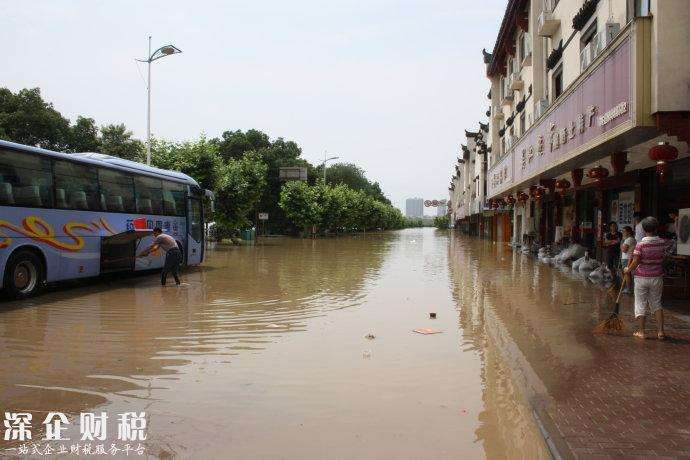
(195, 232)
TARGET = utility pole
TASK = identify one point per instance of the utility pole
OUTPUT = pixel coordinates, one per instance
(325, 160)
(161, 52)
(148, 108)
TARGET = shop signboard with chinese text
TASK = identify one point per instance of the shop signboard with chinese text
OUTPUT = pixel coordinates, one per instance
(600, 103)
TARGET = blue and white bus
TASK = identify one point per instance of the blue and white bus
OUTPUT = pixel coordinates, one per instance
(66, 216)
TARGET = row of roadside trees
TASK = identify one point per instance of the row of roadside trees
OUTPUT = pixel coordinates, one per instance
(240, 167)
(336, 209)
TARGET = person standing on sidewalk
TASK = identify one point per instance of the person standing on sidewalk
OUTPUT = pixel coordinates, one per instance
(173, 256)
(649, 276)
(639, 232)
(612, 250)
(627, 248)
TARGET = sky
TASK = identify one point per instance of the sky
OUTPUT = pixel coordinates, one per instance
(388, 85)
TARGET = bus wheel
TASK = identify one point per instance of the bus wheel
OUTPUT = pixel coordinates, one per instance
(23, 275)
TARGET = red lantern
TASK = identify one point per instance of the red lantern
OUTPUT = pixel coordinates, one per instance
(539, 193)
(598, 173)
(562, 185)
(523, 197)
(662, 153)
(510, 199)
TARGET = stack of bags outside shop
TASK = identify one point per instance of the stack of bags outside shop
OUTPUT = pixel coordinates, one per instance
(572, 252)
(544, 255)
(601, 275)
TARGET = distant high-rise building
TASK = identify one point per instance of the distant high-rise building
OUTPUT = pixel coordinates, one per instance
(441, 210)
(414, 207)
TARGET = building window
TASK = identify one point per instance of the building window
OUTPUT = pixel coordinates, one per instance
(638, 8)
(642, 8)
(557, 82)
(588, 35)
(523, 124)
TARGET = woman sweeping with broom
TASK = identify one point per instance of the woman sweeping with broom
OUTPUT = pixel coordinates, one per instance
(649, 276)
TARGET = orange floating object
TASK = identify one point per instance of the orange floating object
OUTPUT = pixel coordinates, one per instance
(426, 331)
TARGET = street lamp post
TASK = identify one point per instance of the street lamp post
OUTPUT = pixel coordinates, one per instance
(324, 165)
(161, 52)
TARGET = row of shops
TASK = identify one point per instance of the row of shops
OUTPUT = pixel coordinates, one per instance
(563, 154)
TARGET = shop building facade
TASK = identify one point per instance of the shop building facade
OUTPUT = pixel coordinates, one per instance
(588, 119)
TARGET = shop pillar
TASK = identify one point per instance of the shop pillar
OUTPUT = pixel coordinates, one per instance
(577, 175)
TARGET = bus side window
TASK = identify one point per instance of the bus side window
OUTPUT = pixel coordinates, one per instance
(25, 180)
(173, 199)
(76, 187)
(117, 191)
(149, 195)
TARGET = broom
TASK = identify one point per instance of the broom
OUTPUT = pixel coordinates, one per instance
(613, 323)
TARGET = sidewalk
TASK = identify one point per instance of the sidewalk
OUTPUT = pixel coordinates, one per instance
(633, 403)
(593, 396)
(636, 402)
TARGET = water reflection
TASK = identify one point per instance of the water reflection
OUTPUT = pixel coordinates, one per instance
(534, 323)
(260, 355)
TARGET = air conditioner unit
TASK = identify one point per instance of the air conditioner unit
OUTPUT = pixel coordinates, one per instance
(611, 29)
(585, 57)
(507, 92)
(527, 58)
(515, 82)
(540, 107)
(547, 24)
(606, 36)
(549, 5)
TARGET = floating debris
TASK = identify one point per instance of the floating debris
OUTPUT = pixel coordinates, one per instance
(370, 336)
(426, 331)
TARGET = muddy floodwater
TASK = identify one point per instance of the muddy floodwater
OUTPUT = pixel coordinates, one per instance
(262, 353)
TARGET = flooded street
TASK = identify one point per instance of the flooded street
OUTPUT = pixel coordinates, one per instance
(263, 353)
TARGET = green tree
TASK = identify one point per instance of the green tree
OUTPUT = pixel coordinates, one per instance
(354, 177)
(199, 159)
(27, 119)
(83, 136)
(334, 206)
(442, 222)
(299, 202)
(240, 186)
(117, 141)
(233, 144)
